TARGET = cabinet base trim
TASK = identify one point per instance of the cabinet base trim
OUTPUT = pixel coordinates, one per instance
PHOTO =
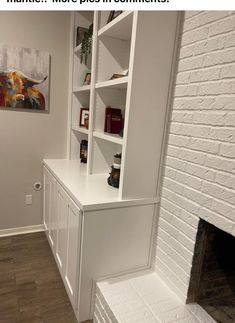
(22, 230)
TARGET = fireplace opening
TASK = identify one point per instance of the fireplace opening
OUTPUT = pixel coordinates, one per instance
(212, 281)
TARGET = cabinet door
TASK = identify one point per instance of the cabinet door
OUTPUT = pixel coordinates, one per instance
(52, 230)
(46, 199)
(49, 207)
(73, 255)
(62, 233)
(68, 243)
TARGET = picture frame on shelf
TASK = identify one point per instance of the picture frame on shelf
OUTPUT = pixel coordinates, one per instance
(113, 15)
(87, 78)
(84, 117)
(80, 32)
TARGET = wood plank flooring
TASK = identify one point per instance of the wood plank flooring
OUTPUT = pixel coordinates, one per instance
(31, 290)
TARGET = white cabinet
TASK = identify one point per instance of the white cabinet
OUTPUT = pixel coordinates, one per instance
(62, 235)
(73, 252)
(94, 239)
(62, 221)
(68, 246)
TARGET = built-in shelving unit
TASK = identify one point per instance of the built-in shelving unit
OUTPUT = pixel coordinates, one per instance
(85, 218)
(127, 45)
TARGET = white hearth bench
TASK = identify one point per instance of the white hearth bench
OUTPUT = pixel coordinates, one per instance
(143, 297)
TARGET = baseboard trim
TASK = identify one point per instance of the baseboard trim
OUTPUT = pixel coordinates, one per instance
(22, 230)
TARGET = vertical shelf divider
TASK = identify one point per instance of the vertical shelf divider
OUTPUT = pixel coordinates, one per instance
(128, 99)
(70, 94)
(92, 93)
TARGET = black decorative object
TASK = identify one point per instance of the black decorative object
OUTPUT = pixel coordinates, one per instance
(83, 151)
(80, 35)
(114, 177)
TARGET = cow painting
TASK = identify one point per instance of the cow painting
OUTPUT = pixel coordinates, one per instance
(24, 78)
(20, 91)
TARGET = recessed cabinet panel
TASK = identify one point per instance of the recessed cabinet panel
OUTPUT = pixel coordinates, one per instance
(49, 207)
(62, 229)
(46, 198)
(72, 255)
(53, 214)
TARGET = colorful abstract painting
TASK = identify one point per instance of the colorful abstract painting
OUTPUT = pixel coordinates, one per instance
(24, 78)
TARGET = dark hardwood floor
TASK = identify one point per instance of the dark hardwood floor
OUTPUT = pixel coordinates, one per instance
(31, 290)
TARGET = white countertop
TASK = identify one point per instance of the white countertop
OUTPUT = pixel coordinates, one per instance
(89, 192)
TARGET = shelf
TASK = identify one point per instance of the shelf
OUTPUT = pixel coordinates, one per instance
(108, 137)
(80, 129)
(120, 27)
(120, 83)
(82, 88)
(77, 49)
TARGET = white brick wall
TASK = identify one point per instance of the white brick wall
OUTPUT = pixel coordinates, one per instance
(199, 174)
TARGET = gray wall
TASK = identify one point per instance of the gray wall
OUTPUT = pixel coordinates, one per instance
(26, 137)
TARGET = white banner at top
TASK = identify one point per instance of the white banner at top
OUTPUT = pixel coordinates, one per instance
(117, 4)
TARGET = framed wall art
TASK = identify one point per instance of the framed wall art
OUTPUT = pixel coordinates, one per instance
(24, 78)
(113, 15)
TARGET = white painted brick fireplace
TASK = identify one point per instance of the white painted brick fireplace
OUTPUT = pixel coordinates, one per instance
(199, 169)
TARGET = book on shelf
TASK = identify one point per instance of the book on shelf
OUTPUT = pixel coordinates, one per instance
(113, 120)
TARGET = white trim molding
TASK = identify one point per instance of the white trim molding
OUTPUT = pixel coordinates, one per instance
(22, 230)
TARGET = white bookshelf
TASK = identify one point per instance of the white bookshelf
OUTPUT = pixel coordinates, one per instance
(98, 217)
(143, 44)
